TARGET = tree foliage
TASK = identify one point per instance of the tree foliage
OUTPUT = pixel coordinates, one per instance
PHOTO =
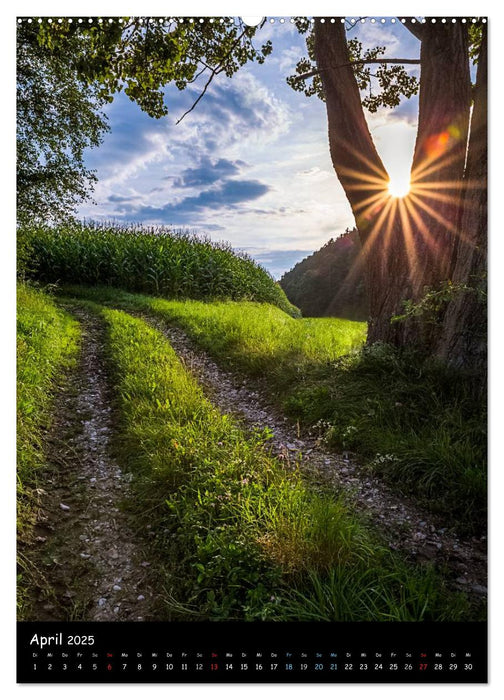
(58, 117)
(384, 86)
(142, 55)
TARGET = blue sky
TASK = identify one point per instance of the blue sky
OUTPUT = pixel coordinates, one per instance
(250, 165)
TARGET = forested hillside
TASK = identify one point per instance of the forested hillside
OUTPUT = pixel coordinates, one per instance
(330, 282)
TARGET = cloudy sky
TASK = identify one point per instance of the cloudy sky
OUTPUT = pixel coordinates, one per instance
(250, 165)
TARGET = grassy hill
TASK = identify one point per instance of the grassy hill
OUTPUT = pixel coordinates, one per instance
(330, 282)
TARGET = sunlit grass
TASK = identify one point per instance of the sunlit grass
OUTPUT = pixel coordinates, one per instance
(254, 337)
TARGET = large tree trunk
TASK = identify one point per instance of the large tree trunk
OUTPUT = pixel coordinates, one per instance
(409, 244)
(463, 341)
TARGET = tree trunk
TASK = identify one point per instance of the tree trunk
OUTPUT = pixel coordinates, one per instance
(409, 244)
(463, 341)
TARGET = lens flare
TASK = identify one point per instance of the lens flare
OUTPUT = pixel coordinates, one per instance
(399, 187)
(408, 196)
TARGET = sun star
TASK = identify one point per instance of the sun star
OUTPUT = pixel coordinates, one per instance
(399, 187)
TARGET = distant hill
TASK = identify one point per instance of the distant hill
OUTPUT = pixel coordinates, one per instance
(330, 282)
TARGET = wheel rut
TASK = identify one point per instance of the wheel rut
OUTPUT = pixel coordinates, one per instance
(405, 527)
(95, 566)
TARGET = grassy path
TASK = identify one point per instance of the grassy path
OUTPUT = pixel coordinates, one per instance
(415, 425)
(249, 538)
(231, 529)
(91, 564)
(418, 534)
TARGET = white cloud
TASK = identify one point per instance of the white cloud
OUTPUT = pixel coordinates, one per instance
(372, 35)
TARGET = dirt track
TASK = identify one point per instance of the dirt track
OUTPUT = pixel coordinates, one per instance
(94, 563)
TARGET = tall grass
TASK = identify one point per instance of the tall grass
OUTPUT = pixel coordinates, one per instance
(416, 424)
(47, 344)
(256, 338)
(156, 261)
(259, 338)
(246, 537)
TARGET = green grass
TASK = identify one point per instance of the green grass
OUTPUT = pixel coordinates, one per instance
(156, 261)
(253, 337)
(416, 424)
(420, 426)
(246, 538)
(257, 338)
(47, 345)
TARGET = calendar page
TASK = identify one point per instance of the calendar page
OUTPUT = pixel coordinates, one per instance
(252, 349)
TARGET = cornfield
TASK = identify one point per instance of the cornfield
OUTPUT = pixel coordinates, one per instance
(154, 260)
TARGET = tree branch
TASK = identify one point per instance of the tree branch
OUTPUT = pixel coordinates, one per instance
(214, 71)
(400, 61)
(205, 67)
(212, 76)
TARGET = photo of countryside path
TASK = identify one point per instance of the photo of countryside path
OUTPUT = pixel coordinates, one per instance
(251, 316)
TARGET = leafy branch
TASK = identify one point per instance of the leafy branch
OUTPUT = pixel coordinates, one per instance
(391, 78)
(435, 300)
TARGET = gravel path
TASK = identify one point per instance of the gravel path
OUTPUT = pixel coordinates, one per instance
(98, 567)
(406, 527)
